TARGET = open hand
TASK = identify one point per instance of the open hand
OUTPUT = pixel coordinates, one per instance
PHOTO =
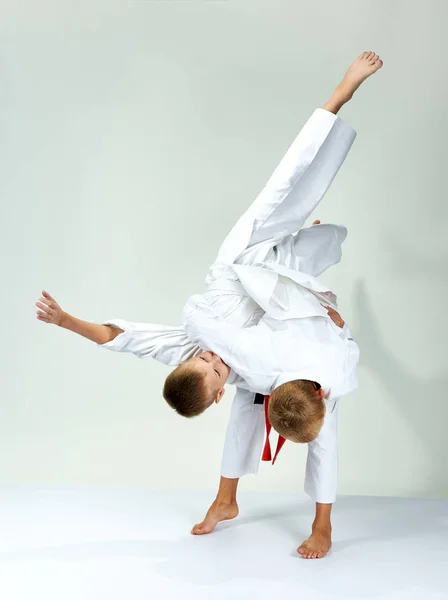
(50, 311)
(335, 316)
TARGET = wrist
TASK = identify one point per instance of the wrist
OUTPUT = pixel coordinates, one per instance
(65, 320)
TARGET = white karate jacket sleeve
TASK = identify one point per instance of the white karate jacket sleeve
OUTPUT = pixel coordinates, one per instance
(239, 348)
(167, 344)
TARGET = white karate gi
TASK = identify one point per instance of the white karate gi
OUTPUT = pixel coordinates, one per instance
(268, 264)
(273, 352)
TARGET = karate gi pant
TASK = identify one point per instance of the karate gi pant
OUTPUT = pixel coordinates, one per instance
(271, 231)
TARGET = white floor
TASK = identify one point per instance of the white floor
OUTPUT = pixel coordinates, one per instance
(112, 544)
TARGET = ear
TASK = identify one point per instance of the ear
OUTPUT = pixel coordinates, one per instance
(220, 395)
(320, 393)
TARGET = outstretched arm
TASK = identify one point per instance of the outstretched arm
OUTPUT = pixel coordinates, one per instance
(165, 343)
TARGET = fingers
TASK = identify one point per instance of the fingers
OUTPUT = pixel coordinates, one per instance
(46, 304)
(43, 317)
(317, 222)
(328, 307)
(334, 315)
(47, 296)
(47, 300)
(46, 308)
(43, 305)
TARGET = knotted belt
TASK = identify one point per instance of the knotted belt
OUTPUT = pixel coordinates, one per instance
(267, 454)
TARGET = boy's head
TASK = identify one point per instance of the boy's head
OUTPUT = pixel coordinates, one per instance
(297, 410)
(196, 384)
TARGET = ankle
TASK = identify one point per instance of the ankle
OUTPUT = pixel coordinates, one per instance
(321, 526)
(225, 500)
(340, 97)
(343, 92)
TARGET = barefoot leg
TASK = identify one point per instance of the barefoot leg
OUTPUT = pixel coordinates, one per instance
(223, 508)
(365, 65)
(319, 542)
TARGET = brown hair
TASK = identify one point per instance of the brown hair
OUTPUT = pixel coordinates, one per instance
(295, 411)
(186, 392)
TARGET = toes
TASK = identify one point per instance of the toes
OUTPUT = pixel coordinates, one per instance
(309, 553)
(198, 530)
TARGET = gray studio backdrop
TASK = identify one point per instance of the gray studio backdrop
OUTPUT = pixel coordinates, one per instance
(134, 134)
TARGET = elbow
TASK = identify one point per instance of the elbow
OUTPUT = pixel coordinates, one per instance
(112, 332)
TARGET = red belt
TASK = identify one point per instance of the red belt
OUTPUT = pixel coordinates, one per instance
(267, 447)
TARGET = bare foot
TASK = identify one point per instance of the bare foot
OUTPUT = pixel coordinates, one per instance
(365, 65)
(317, 545)
(217, 512)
